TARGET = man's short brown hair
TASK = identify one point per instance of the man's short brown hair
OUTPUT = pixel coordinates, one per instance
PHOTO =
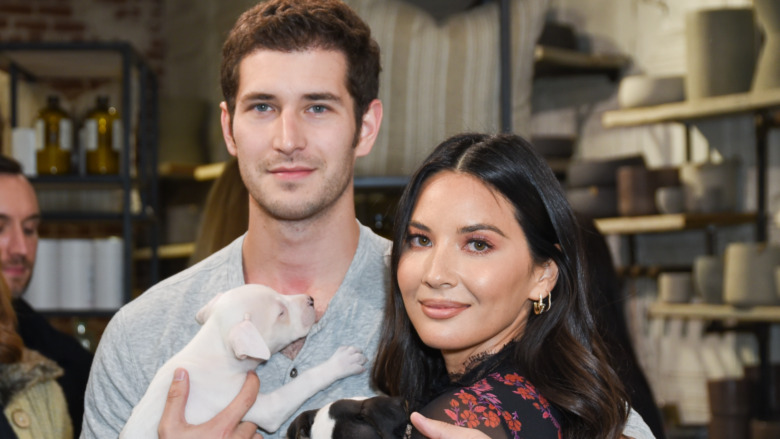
(298, 25)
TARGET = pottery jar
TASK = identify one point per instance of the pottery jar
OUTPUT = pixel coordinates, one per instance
(749, 272)
(708, 278)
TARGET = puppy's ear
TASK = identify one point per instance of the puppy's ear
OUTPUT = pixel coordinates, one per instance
(300, 428)
(245, 341)
(205, 312)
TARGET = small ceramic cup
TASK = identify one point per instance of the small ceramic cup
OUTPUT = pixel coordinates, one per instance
(675, 287)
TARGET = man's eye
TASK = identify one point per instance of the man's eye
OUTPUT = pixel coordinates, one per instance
(262, 107)
(319, 108)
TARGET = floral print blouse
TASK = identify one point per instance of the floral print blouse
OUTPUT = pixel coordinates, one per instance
(501, 403)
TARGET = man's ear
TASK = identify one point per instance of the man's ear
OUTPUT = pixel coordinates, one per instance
(369, 128)
(227, 128)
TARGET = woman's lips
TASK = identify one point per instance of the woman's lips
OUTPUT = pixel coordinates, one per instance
(442, 310)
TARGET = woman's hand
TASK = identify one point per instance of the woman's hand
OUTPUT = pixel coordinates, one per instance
(226, 425)
(441, 430)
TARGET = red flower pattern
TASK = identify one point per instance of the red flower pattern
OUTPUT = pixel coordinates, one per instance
(478, 405)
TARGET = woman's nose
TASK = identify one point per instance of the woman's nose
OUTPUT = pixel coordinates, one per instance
(438, 269)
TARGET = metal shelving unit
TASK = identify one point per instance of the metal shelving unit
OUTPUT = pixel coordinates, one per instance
(765, 108)
(111, 61)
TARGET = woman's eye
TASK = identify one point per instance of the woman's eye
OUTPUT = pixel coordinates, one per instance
(479, 246)
(419, 241)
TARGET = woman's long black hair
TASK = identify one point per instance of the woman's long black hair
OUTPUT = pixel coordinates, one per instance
(560, 351)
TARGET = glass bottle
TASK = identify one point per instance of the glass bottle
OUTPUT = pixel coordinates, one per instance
(54, 135)
(101, 129)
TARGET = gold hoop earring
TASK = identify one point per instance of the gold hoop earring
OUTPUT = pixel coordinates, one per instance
(540, 306)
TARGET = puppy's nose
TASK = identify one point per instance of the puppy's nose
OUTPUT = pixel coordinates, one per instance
(311, 301)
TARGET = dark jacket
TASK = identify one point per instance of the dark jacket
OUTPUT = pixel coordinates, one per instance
(38, 334)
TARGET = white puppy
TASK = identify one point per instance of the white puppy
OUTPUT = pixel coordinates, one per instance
(241, 328)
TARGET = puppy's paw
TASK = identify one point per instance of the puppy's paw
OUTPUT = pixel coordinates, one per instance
(349, 360)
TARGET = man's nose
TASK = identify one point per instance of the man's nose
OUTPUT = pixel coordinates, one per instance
(16, 241)
(289, 135)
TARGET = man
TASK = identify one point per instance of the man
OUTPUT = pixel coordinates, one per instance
(19, 220)
(300, 80)
(299, 108)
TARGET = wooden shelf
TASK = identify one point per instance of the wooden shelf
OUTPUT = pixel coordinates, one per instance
(212, 171)
(694, 109)
(168, 251)
(176, 170)
(671, 222)
(764, 314)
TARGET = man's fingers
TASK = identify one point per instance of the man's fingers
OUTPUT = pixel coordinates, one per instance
(440, 430)
(247, 429)
(173, 413)
(241, 404)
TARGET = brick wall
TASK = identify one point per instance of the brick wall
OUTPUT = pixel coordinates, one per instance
(136, 21)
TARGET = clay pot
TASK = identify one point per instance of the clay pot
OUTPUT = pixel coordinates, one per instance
(643, 90)
(721, 52)
(593, 201)
(670, 199)
(708, 278)
(729, 397)
(777, 281)
(710, 187)
(749, 272)
(764, 429)
(635, 191)
(729, 427)
(554, 146)
(767, 74)
(584, 173)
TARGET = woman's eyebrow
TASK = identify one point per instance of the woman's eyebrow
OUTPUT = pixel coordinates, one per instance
(478, 227)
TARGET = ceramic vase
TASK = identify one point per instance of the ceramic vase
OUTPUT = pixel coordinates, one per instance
(749, 272)
(710, 187)
(721, 52)
(708, 278)
(675, 287)
(767, 73)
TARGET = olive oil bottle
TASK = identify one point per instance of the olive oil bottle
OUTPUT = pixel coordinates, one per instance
(102, 129)
(54, 136)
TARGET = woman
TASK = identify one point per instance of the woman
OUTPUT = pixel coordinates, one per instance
(32, 401)
(487, 324)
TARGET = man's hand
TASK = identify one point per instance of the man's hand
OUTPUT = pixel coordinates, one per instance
(441, 430)
(226, 425)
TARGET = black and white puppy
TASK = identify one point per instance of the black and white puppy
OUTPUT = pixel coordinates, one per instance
(380, 417)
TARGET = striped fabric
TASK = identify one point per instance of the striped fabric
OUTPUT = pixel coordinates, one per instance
(439, 79)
